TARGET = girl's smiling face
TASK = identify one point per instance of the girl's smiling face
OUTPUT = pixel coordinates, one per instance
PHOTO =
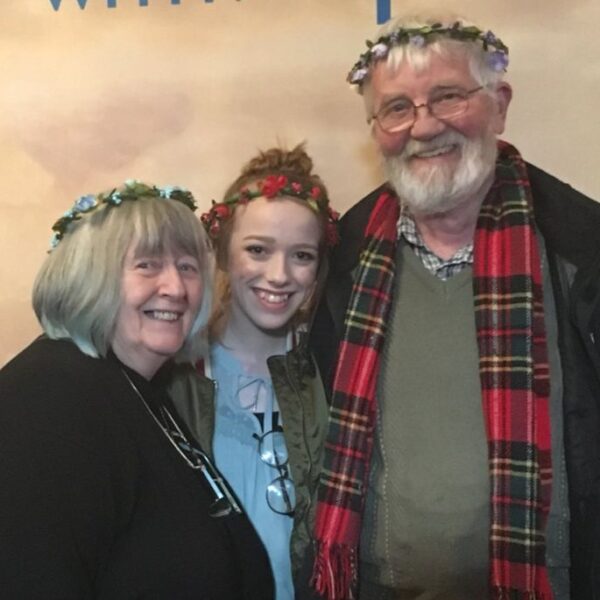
(272, 263)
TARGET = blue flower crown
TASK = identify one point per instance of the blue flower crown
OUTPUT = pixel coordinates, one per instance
(131, 190)
(420, 37)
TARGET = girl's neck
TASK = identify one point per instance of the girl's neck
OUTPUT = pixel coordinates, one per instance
(253, 348)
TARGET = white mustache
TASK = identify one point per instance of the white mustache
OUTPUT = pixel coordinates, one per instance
(448, 138)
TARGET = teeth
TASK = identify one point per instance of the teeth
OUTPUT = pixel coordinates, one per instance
(273, 298)
(434, 152)
(163, 315)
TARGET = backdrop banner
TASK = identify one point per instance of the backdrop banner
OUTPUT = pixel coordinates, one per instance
(182, 92)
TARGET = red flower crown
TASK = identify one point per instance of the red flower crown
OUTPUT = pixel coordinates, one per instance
(271, 187)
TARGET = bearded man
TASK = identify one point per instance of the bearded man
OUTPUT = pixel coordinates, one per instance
(458, 331)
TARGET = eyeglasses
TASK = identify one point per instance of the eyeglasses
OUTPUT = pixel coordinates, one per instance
(224, 502)
(281, 492)
(401, 114)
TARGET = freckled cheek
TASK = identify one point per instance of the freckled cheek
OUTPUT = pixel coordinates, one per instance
(307, 276)
(242, 268)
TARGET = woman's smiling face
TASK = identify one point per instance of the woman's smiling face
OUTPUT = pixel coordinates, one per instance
(160, 299)
(272, 262)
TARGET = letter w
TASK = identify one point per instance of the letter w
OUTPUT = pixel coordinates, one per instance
(56, 3)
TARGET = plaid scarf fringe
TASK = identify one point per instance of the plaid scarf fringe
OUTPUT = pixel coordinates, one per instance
(336, 571)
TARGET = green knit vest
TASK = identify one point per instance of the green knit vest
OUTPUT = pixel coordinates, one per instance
(426, 526)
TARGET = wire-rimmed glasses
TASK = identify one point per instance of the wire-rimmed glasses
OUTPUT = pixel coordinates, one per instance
(281, 492)
(224, 501)
(401, 113)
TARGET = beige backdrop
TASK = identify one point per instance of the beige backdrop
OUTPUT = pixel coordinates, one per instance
(183, 94)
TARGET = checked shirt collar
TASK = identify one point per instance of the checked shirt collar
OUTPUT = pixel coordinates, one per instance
(443, 269)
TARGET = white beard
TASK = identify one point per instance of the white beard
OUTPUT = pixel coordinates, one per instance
(441, 188)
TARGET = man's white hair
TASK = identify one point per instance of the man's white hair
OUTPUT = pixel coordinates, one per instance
(418, 57)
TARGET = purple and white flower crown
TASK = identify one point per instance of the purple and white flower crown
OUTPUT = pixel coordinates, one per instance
(420, 37)
(131, 190)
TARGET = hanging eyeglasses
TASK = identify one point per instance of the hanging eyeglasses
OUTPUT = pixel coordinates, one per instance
(224, 500)
(281, 492)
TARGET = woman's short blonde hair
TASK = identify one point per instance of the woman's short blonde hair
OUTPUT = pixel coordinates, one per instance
(77, 292)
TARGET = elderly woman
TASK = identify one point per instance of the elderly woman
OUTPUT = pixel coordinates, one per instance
(103, 492)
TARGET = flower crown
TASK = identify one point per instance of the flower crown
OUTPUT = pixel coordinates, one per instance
(131, 190)
(421, 36)
(271, 187)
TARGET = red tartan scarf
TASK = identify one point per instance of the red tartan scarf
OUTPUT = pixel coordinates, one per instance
(513, 365)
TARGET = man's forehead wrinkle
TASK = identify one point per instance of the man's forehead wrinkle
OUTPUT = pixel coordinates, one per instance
(446, 74)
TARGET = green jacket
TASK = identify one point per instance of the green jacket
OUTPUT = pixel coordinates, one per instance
(304, 412)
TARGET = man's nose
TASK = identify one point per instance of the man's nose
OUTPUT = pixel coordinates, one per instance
(426, 125)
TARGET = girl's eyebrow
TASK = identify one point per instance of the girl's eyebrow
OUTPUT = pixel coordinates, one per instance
(262, 238)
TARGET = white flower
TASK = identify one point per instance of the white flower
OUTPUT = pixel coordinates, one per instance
(358, 75)
(379, 50)
(115, 198)
(167, 191)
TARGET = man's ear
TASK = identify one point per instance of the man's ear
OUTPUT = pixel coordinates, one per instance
(502, 101)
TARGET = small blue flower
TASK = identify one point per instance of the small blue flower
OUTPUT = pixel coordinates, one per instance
(69, 214)
(54, 240)
(167, 191)
(497, 61)
(418, 41)
(85, 203)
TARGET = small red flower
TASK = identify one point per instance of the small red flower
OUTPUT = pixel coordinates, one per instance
(214, 229)
(334, 215)
(297, 187)
(315, 192)
(221, 211)
(272, 185)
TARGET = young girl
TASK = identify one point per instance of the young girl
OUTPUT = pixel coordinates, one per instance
(267, 422)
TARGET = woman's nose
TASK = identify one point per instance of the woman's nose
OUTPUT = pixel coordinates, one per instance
(171, 283)
(277, 271)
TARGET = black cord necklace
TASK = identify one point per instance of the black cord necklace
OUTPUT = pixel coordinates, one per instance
(225, 502)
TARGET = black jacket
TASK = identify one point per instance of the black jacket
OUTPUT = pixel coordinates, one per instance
(570, 225)
(95, 503)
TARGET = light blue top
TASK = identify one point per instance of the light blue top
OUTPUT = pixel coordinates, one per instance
(240, 397)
